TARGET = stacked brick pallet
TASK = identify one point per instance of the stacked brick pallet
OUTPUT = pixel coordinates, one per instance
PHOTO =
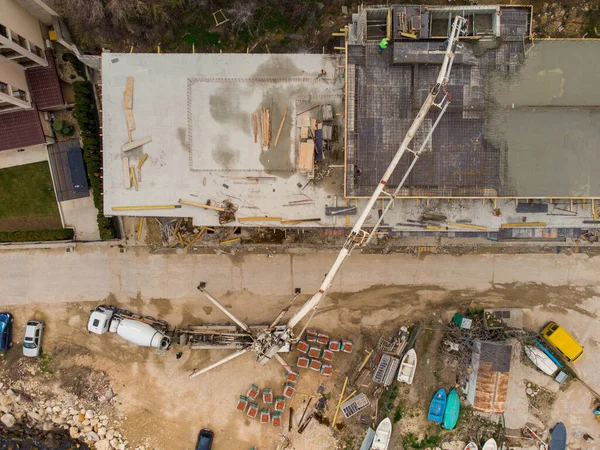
(248, 404)
(312, 356)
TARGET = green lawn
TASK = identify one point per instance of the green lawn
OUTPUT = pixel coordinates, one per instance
(27, 200)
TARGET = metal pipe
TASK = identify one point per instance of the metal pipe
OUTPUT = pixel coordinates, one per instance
(218, 363)
(417, 155)
(225, 311)
(354, 238)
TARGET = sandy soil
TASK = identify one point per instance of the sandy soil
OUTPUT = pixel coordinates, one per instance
(159, 404)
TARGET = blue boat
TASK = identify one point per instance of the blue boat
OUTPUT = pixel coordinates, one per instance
(558, 438)
(437, 407)
(452, 410)
(550, 355)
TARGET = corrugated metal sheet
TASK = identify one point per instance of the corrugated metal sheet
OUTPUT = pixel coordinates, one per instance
(490, 393)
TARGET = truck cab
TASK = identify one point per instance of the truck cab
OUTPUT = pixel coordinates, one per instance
(99, 321)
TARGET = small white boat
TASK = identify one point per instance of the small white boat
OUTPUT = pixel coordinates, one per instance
(382, 435)
(408, 367)
(490, 445)
(541, 360)
(471, 446)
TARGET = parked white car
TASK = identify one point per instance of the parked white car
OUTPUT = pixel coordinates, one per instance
(32, 345)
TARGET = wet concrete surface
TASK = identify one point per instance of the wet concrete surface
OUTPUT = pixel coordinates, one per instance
(544, 117)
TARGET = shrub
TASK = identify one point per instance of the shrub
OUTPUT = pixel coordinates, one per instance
(77, 65)
(63, 127)
(36, 235)
(87, 119)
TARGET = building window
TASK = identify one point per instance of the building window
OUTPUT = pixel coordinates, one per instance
(3, 88)
(20, 94)
(3, 31)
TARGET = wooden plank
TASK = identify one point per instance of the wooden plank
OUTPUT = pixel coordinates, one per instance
(523, 225)
(466, 225)
(229, 241)
(259, 219)
(126, 174)
(307, 156)
(127, 147)
(128, 94)
(294, 221)
(195, 238)
(280, 128)
(200, 205)
(129, 119)
(304, 120)
(142, 161)
(133, 177)
(304, 133)
(140, 228)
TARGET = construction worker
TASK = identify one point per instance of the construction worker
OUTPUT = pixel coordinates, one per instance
(383, 44)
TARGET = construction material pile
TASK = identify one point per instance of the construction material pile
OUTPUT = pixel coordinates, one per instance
(249, 403)
(318, 358)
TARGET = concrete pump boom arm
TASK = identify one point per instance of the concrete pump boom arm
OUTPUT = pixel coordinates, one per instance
(357, 236)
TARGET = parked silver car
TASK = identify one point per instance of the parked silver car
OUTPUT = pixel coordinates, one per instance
(32, 345)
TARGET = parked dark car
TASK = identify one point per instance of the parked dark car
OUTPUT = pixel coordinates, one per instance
(205, 438)
(6, 321)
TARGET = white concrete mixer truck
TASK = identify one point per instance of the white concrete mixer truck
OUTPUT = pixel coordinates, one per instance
(144, 331)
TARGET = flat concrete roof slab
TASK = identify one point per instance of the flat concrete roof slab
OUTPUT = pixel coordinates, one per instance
(197, 109)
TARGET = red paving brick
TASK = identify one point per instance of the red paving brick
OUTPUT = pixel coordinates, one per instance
(315, 364)
(327, 355)
(302, 362)
(334, 345)
(347, 346)
(327, 370)
(302, 347)
(314, 352)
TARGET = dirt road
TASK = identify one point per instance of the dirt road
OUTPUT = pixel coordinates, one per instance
(157, 403)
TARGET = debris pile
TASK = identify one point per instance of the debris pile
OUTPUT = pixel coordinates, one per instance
(22, 412)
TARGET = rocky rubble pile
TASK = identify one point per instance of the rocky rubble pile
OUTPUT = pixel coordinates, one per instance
(21, 411)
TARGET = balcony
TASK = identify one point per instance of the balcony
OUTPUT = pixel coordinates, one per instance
(17, 98)
(19, 50)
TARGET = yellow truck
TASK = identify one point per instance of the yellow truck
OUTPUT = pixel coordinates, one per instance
(562, 341)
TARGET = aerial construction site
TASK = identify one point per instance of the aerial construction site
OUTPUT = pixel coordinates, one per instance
(445, 157)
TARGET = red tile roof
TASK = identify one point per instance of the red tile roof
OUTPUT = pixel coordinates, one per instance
(20, 129)
(45, 85)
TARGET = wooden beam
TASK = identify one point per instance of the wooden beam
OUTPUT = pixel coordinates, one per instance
(126, 174)
(280, 128)
(195, 238)
(523, 225)
(259, 219)
(291, 221)
(133, 177)
(142, 161)
(466, 225)
(140, 228)
(200, 205)
(135, 144)
(337, 408)
(229, 241)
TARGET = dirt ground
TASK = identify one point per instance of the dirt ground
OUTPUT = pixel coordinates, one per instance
(158, 404)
